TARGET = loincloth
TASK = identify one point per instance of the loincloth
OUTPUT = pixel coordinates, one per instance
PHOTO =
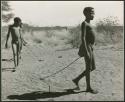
(90, 62)
(17, 42)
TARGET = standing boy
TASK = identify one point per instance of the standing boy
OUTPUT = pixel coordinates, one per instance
(15, 31)
(88, 39)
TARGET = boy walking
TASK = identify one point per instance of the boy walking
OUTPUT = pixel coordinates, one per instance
(15, 31)
(88, 39)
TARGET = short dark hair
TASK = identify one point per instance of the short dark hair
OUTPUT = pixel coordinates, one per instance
(87, 9)
(17, 19)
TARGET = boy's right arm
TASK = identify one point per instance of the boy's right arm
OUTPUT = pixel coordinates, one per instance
(8, 34)
(84, 40)
(22, 38)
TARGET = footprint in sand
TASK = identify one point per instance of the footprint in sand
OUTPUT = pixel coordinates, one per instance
(59, 56)
(40, 60)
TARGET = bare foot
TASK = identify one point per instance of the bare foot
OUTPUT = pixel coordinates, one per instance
(14, 70)
(76, 88)
(92, 91)
(76, 83)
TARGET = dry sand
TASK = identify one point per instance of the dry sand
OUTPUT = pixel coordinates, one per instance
(39, 61)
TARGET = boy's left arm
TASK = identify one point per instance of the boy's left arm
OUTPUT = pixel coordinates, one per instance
(8, 34)
(21, 36)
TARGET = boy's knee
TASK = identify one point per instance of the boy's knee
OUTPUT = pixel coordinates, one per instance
(94, 68)
(87, 70)
(14, 54)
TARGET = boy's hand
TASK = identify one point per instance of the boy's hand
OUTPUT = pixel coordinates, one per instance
(6, 46)
(88, 56)
(25, 44)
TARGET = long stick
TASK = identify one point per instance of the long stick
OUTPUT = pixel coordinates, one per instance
(60, 69)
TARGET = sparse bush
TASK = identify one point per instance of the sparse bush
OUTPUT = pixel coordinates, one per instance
(109, 28)
(6, 14)
(107, 32)
(37, 40)
(75, 36)
(49, 37)
(49, 33)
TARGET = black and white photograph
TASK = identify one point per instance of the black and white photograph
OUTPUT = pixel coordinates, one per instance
(62, 50)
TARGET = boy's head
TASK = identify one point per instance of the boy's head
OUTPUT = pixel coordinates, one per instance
(17, 20)
(89, 12)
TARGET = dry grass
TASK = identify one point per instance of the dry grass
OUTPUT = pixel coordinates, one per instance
(107, 33)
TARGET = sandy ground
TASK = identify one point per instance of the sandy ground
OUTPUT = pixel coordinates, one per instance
(38, 61)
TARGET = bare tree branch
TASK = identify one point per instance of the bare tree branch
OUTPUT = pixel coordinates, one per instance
(6, 8)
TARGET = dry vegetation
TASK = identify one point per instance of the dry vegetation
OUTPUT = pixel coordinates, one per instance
(107, 33)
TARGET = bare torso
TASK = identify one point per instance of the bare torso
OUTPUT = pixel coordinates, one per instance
(90, 33)
(15, 34)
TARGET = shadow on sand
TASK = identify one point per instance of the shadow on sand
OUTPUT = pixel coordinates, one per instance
(9, 60)
(42, 95)
(8, 69)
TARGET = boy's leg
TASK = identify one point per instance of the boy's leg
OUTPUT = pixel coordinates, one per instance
(14, 53)
(18, 53)
(93, 62)
(88, 63)
(76, 80)
(21, 45)
(88, 67)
